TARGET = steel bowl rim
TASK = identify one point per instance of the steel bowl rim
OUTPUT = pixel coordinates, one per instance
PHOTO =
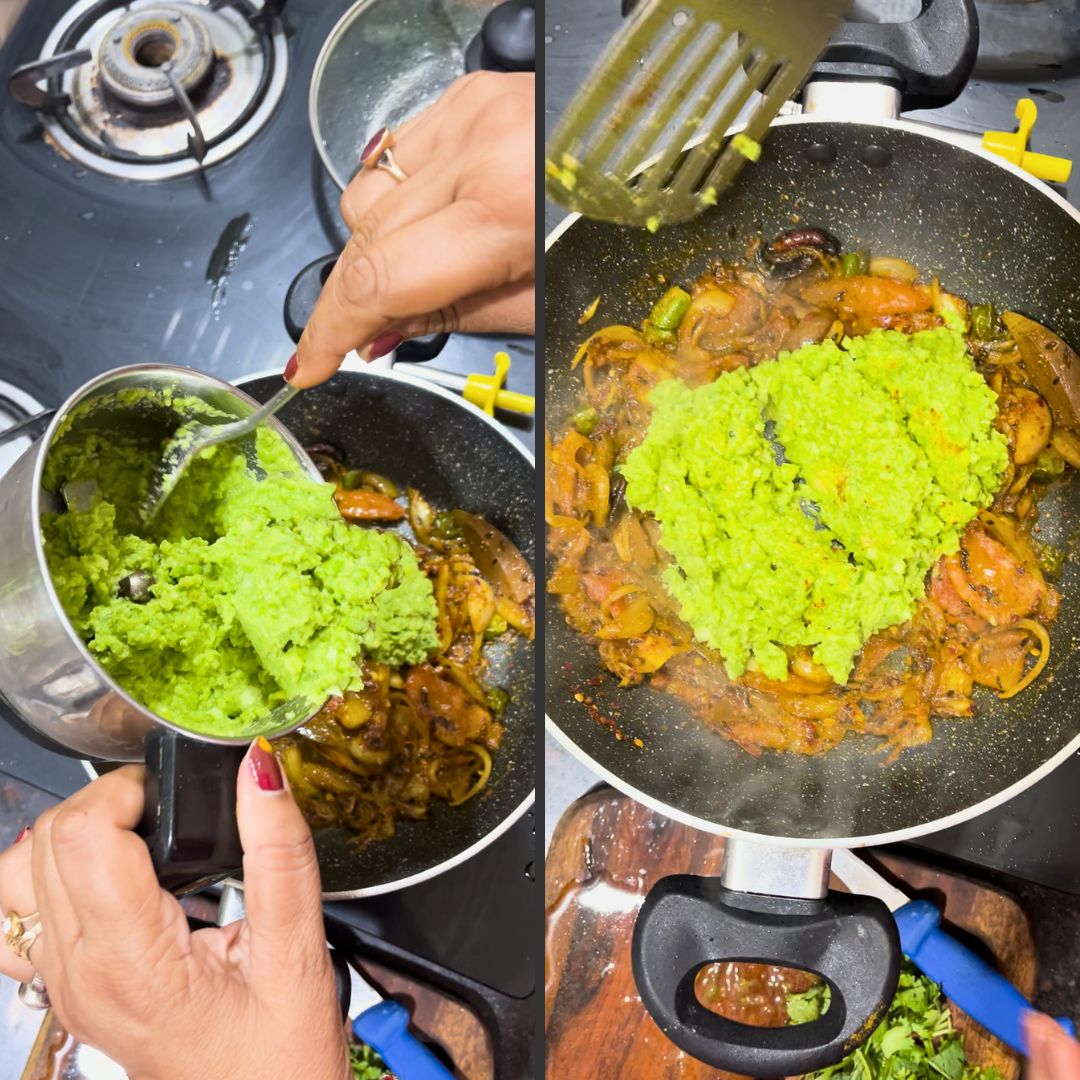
(963, 143)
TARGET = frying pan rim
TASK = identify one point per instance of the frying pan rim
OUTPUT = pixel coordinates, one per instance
(870, 840)
(519, 811)
(961, 140)
(353, 365)
(964, 143)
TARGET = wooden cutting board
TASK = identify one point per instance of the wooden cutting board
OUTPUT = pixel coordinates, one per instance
(436, 1017)
(607, 851)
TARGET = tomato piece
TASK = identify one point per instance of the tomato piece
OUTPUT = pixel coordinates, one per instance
(992, 581)
(357, 505)
(454, 717)
(868, 297)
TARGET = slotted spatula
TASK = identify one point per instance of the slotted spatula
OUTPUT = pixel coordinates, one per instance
(679, 72)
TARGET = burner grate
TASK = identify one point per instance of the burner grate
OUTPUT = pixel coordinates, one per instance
(153, 90)
(16, 406)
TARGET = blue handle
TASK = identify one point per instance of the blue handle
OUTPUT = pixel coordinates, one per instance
(981, 992)
(385, 1028)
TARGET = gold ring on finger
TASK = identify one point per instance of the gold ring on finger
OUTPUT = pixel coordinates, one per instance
(20, 932)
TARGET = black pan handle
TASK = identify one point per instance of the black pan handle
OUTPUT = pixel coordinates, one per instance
(303, 292)
(189, 822)
(687, 922)
(300, 302)
(928, 59)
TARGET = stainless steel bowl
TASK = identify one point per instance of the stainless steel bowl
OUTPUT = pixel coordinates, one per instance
(47, 675)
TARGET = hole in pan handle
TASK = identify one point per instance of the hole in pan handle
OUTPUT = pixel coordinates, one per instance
(300, 302)
(688, 921)
(189, 822)
(928, 59)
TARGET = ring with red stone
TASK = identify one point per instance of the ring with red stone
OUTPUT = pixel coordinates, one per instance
(378, 154)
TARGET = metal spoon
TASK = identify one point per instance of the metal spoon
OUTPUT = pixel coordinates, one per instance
(191, 439)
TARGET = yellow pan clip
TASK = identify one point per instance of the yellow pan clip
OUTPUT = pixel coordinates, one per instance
(487, 393)
(1012, 145)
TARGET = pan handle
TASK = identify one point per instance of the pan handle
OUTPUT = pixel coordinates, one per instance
(687, 922)
(189, 822)
(300, 303)
(928, 59)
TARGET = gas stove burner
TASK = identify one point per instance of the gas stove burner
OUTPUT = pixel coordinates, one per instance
(150, 90)
(137, 50)
(16, 406)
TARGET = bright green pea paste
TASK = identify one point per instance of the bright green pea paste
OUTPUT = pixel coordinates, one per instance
(261, 591)
(803, 501)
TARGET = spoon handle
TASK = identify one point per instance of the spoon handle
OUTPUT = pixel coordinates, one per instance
(268, 408)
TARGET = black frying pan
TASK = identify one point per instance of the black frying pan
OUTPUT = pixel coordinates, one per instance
(422, 436)
(988, 231)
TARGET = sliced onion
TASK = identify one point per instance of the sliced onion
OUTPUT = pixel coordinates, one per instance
(632, 622)
(609, 335)
(887, 266)
(1039, 632)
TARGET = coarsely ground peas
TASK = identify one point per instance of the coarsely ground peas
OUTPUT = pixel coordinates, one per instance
(805, 500)
(261, 591)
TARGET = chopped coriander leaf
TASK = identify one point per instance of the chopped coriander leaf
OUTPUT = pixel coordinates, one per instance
(915, 1041)
(809, 1005)
(366, 1064)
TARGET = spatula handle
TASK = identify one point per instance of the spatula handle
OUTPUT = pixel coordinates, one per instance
(271, 406)
(385, 1028)
(983, 993)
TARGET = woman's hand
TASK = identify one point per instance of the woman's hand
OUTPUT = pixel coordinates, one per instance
(452, 247)
(1052, 1053)
(127, 975)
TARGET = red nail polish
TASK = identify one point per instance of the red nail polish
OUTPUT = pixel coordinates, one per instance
(383, 344)
(290, 368)
(372, 143)
(264, 766)
(22, 836)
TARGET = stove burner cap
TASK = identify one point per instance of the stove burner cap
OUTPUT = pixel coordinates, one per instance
(134, 49)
